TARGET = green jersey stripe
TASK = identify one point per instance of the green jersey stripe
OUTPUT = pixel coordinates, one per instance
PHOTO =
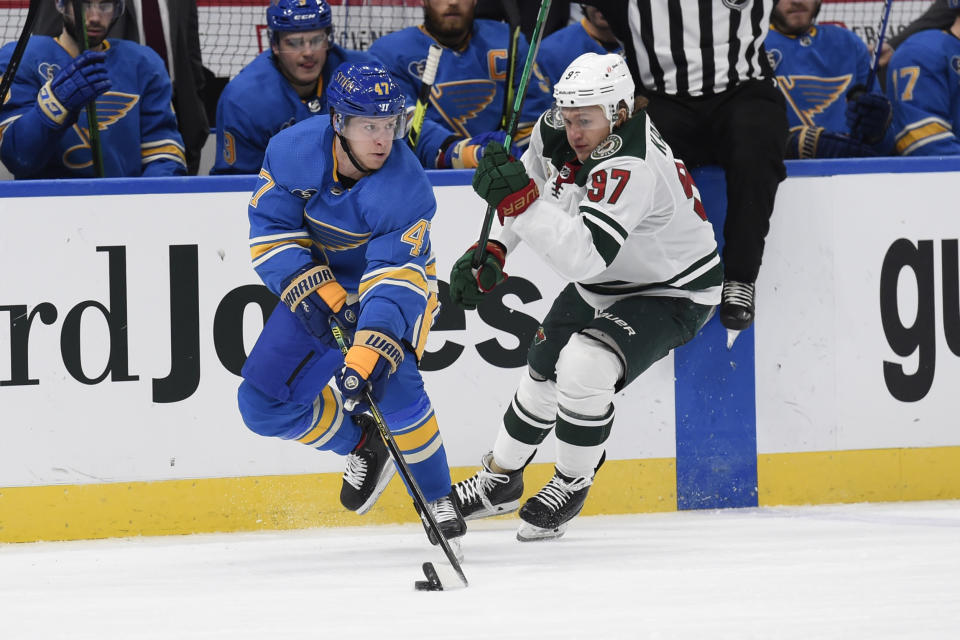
(606, 244)
(605, 219)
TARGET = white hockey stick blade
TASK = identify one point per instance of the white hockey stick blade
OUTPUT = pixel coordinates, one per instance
(531, 533)
(440, 577)
(731, 338)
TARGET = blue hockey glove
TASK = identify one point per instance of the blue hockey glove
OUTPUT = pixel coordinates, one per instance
(78, 83)
(868, 115)
(375, 355)
(465, 153)
(315, 297)
(816, 142)
(467, 288)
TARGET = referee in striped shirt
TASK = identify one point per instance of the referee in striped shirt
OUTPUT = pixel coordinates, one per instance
(712, 94)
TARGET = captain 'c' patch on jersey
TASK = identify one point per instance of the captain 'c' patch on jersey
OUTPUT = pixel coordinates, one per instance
(811, 95)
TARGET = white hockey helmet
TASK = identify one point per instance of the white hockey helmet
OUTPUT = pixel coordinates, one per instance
(594, 79)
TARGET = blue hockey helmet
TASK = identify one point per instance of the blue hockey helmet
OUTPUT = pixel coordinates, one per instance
(365, 89)
(298, 15)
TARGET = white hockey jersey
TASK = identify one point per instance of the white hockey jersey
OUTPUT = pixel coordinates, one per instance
(627, 221)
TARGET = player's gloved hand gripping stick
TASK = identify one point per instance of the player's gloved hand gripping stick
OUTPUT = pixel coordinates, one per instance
(480, 249)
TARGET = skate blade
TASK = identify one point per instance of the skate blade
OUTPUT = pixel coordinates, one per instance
(496, 510)
(385, 475)
(532, 533)
(731, 337)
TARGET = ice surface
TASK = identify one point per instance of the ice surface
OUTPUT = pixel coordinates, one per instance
(870, 571)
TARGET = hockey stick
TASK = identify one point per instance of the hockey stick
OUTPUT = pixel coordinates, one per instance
(32, 12)
(93, 125)
(511, 127)
(875, 67)
(513, 17)
(433, 582)
(423, 98)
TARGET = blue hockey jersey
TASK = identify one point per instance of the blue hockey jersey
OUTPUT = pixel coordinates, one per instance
(563, 46)
(469, 91)
(815, 71)
(923, 83)
(137, 126)
(259, 102)
(377, 245)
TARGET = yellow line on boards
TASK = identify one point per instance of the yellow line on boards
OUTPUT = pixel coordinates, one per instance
(867, 475)
(170, 507)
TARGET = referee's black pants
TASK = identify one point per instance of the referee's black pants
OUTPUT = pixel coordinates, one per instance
(744, 130)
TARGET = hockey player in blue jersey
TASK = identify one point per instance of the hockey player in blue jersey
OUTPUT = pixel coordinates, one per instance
(282, 86)
(923, 82)
(592, 34)
(44, 132)
(822, 71)
(469, 92)
(330, 237)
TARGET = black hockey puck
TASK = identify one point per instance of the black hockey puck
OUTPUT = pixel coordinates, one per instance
(432, 583)
(426, 585)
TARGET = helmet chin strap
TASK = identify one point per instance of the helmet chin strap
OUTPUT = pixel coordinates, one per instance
(356, 163)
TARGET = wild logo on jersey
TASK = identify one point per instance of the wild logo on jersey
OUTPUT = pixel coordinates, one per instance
(111, 108)
(608, 147)
(809, 96)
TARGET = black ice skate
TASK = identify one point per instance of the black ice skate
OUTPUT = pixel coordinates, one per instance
(368, 469)
(451, 523)
(736, 308)
(545, 516)
(488, 493)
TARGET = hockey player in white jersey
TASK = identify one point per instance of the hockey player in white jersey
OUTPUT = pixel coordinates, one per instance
(600, 197)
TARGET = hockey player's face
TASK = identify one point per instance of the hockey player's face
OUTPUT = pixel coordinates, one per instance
(794, 17)
(371, 139)
(586, 127)
(301, 55)
(450, 20)
(99, 16)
